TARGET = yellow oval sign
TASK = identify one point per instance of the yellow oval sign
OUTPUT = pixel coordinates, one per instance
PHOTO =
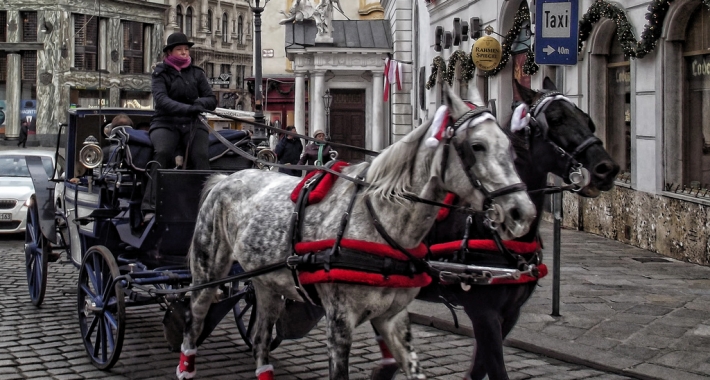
(486, 53)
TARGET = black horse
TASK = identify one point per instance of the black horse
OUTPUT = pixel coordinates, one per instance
(560, 140)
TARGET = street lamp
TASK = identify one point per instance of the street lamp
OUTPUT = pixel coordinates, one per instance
(257, 9)
(327, 99)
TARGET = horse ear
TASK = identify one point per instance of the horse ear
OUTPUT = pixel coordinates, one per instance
(457, 107)
(476, 97)
(526, 95)
(548, 84)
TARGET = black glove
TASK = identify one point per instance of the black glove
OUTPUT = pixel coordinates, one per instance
(196, 109)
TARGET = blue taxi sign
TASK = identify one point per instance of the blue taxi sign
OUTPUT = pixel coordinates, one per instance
(556, 32)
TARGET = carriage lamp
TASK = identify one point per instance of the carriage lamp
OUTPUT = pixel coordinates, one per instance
(91, 154)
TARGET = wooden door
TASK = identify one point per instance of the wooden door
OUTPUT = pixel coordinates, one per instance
(347, 122)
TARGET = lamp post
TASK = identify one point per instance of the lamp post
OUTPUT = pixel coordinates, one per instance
(327, 99)
(257, 10)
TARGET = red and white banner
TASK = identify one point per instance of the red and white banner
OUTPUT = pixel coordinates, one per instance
(393, 74)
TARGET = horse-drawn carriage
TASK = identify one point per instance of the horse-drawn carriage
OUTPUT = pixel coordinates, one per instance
(387, 205)
(92, 212)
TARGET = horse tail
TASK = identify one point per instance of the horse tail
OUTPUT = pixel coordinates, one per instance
(211, 182)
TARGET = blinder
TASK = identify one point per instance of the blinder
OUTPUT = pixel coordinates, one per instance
(578, 174)
(494, 212)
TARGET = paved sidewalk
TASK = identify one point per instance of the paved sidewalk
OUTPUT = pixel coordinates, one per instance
(623, 309)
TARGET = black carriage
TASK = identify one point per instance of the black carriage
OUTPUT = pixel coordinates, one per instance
(92, 212)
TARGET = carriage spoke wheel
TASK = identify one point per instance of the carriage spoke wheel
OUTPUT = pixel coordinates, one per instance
(37, 250)
(245, 314)
(102, 311)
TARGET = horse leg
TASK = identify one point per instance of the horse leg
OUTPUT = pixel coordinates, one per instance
(269, 306)
(339, 331)
(397, 336)
(387, 368)
(488, 349)
(217, 267)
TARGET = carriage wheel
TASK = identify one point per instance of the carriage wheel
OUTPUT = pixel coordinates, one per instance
(37, 250)
(102, 310)
(245, 314)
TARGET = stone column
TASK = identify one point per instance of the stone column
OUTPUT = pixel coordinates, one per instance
(378, 132)
(204, 8)
(14, 88)
(318, 117)
(172, 16)
(299, 109)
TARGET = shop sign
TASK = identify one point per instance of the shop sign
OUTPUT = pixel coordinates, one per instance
(267, 53)
(223, 79)
(486, 53)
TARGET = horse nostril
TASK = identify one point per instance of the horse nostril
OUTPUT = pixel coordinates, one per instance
(606, 169)
(515, 214)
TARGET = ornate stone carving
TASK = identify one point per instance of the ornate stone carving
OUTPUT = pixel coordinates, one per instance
(12, 26)
(45, 78)
(114, 55)
(322, 14)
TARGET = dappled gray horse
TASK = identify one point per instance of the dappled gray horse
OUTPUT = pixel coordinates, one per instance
(247, 217)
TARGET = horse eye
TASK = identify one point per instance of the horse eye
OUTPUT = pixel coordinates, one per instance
(478, 148)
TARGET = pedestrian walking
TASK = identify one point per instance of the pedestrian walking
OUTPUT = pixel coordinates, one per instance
(288, 151)
(317, 152)
(24, 130)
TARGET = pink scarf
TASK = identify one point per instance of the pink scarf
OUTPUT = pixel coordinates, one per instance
(178, 63)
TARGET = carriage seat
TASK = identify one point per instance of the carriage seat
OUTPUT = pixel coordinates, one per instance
(138, 149)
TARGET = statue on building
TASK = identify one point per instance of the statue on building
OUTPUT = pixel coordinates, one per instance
(322, 14)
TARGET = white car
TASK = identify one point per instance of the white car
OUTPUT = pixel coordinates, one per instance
(16, 186)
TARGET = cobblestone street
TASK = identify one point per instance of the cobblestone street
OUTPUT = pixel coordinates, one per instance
(44, 343)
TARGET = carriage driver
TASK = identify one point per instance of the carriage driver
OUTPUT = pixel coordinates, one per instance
(180, 92)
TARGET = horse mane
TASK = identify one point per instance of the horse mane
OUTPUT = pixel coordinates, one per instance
(390, 174)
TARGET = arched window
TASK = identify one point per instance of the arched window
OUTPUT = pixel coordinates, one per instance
(240, 29)
(178, 18)
(188, 22)
(209, 20)
(618, 108)
(225, 27)
(696, 120)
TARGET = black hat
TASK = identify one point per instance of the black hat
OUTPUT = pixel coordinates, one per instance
(177, 39)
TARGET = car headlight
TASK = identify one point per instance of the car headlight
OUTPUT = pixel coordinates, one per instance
(28, 202)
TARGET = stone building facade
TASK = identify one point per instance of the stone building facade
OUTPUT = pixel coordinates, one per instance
(58, 55)
(648, 97)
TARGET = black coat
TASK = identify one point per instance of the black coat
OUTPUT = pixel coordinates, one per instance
(23, 133)
(310, 155)
(289, 151)
(175, 91)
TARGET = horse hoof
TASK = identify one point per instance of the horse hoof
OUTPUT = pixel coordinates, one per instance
(186, 368)
(385, 372)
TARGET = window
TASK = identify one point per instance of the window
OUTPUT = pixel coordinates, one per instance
(29, 65)
(133, 48)
(225, 27)
(3, 26)
(188, 22)
(3, 66)
(209, 70)
(29, 26)
(225, 69)
(178, 18)
(618, 109)
(86, 41)
(240, 29)
(209, 20)
(696, 123)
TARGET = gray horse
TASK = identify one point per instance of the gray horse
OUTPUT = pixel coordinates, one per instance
(247, 217)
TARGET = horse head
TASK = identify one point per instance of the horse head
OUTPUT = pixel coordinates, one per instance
(559, 129)
(477, 154)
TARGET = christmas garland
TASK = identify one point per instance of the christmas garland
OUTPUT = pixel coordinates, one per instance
(521, 16)
(438, 65)
(467, 67)
(657, 11)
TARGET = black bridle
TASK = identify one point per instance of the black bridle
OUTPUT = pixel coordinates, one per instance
(465, 153)
(574, 167)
